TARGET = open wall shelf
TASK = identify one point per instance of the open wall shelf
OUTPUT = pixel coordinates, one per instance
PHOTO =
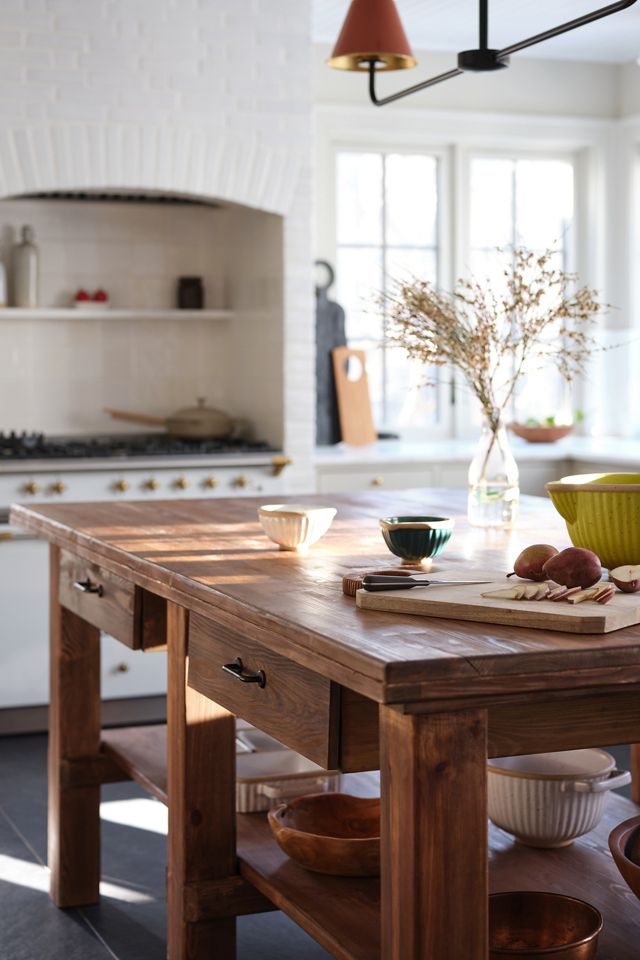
(79, 313)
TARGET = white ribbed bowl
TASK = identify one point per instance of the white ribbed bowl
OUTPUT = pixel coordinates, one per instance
(550, 799)
(295, 526)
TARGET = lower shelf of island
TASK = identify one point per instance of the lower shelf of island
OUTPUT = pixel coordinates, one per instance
(343, 913)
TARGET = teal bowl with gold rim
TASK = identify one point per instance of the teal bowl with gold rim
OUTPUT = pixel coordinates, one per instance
(415, 539)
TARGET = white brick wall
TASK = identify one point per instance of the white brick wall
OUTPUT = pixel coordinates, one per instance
(206, 97)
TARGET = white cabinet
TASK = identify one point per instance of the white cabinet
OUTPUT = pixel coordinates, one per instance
(377, 476)
(351, 478)
(24, 635)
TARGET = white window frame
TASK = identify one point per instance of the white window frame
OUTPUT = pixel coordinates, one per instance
(442, 428)
(466, 422)
(455, 137)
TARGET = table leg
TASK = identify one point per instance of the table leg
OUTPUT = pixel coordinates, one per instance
(434, 835)
(74, 734)
(201, 794)
(635, 772)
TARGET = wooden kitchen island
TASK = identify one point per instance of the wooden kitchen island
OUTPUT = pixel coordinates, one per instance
(425, 700)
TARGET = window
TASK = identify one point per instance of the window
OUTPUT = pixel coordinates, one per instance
(523, 202)
(387, 229)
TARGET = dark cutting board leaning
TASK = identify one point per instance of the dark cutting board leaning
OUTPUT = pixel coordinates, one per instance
(330, 333)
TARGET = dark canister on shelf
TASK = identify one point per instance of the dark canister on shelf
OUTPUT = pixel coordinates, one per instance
(190, 293)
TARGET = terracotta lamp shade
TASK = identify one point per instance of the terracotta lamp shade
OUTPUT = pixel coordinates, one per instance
(372, 31)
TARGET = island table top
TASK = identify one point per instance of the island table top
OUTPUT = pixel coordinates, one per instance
(213, 557)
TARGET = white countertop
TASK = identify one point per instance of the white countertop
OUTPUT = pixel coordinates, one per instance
(600, 450)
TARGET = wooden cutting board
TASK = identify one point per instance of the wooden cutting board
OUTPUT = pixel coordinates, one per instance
(467, 603)
(352, 389)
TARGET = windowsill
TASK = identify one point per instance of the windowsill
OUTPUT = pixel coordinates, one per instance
(598, 450)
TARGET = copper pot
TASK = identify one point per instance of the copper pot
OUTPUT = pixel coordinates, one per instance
(532, 925)
(191, 423)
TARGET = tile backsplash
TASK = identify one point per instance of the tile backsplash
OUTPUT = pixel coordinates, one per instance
(59, 374)
(134, 251)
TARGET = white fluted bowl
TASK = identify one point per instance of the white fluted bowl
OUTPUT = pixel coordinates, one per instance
(295, 526)
(550, 799)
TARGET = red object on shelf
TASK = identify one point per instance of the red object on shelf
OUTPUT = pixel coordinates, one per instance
(372, 30)
(100, 296)
(82, 295)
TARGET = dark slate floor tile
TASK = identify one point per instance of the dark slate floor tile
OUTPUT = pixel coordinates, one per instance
(31, 927)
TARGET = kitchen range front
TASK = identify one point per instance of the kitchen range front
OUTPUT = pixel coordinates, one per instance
(125, 467)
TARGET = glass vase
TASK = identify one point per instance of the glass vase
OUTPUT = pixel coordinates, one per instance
(493, 481)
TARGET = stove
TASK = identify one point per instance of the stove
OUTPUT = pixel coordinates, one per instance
(35, 446)
(132, 467)
(137, 466)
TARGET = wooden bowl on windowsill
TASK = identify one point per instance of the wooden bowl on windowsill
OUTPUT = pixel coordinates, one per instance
(541, 434)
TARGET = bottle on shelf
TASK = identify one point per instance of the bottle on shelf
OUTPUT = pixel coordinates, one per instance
(25, 270)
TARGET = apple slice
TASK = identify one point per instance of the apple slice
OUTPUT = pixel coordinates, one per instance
(606, 597)
(582, 595)
(626, 578)
(509, 593)
(603, 590)
(568, 592)
(556, 591)
(531, 591)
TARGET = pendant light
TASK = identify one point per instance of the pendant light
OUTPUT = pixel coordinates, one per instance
(372, 40)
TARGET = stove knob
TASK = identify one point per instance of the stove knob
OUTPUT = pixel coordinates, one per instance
(241, 481)
(210, 483)
(181, 483)
(151, 484)
(31, 488)
(121, 486)
(58, 487)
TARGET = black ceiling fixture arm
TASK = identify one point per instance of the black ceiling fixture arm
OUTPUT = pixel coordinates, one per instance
(405, 93)
(483, 25)
(569, 25)
(485, 59)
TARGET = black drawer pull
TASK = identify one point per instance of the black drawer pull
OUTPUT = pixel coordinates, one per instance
(87, 586)
(236, 668)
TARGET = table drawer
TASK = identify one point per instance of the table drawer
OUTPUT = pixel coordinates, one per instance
(112, 607)
(296, 706)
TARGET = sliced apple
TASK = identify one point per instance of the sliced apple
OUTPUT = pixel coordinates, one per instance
(582, 595)
(626, 578)
(603, 590)
(606, 597)
(531, 591)
(510, 593)
(568, 592)
(556, 591)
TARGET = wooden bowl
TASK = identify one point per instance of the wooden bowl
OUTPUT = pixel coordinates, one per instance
(331, 833)
(527, 925)
(541, 434)
(624, 843)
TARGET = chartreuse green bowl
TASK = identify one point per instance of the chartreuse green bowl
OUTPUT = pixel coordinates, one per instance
(416, 538)
(602, 513)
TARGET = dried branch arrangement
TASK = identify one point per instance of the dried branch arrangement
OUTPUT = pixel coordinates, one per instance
(491, 337)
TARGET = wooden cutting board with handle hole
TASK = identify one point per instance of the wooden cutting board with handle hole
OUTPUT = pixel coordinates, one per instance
(467, 603)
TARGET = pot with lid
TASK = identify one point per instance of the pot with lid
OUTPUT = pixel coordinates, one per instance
(190, 423)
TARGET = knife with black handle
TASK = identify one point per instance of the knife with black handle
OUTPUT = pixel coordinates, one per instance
(373, 582)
